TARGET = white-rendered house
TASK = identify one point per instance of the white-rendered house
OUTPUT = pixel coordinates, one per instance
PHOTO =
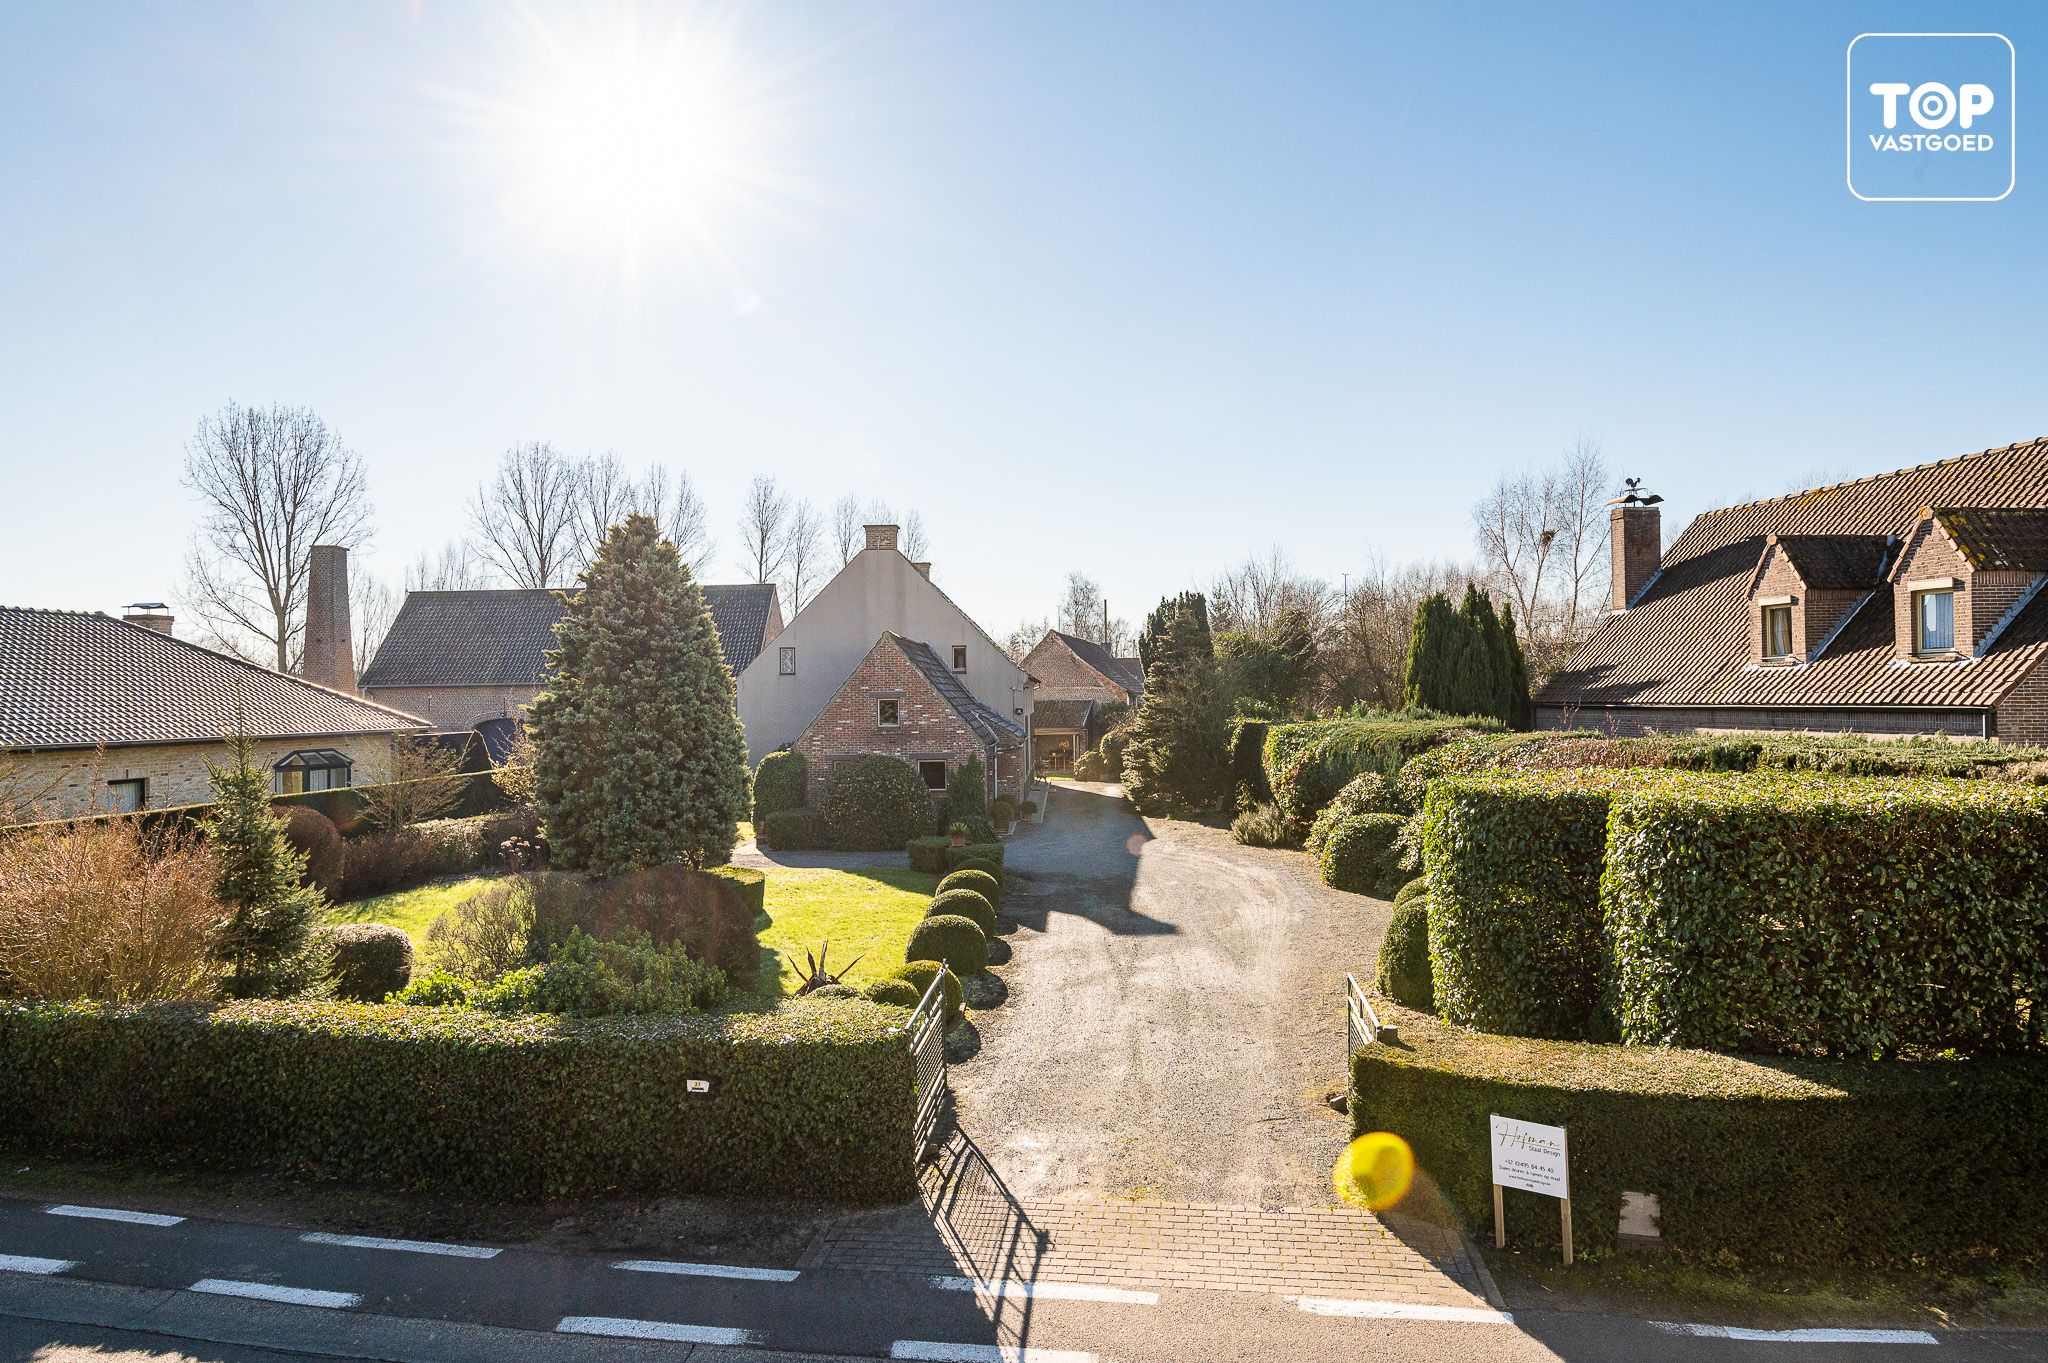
(804, 666)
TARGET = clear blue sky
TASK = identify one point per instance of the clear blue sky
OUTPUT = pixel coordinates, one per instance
(1135, 289)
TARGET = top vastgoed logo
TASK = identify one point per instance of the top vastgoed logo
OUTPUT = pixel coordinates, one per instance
(1931, 117)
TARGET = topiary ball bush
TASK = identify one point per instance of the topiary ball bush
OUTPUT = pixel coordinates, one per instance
(981, 882)
(875, 804)
(371, 961)
(1414, 889)
(1002, 811)
(1403, 973)
(957, 941)
(967, 904)
(780, 783)
(1367, 793)
(895, 993)
(991, 869)
(919, 976)
(1362, 854)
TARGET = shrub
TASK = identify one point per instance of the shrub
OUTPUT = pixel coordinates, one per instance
(781, 782)
(1096, 766)
(1247, 763)
(980, 830)
(920, 974)
(585, 977)
(977, 856)
(811, 1102)
(959, 942)
(107, 911)
(967, 794)
(1361, 854)
(379, 863)
(981, 882)
(894, 993)
(704, 913)
(751, 884)
(1809, 1162)
(1260, 826)
(488, 933)
(1402, 972)
(512, 839)
(451, 847)
(837, 991)
(1028, 808)
(1414, 889)
(435, 989)
(1307, 764)
(1366, 793)
(1001, 811)
(968, 904)
(313, 836)
(792, 830)
(875, 804)
(368, 962)
(928, 854)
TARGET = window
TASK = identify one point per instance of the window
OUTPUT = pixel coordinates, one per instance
(886, 712)
(787, 658)
(311, 769)
(1934, 622)
(934, 774)
(959, 657)
(1777, 631)
(125, 797)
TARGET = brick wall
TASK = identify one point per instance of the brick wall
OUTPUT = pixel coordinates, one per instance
(176, 772)
(1814, 613)
(2023, 713)
(1063, 676)
(928, 729)
(454, 707)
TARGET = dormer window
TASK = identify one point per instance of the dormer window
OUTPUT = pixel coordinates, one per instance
(1778, 633)
(1934, 621)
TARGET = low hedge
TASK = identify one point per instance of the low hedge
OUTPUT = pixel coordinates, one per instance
(792, 830)
(752, 885)
(781, 783)
(1248, 761)
(813, 1100)
(977, 856)
(1306, 764)
(874, 803)
(966, 903)
(370, 961)
(1366, 793)
(1362, 854)
(1766, 1161)
(928, 854)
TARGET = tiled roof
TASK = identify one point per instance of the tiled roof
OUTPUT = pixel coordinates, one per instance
(1686, 640)
(1130, 678)
(997, 729)
(1828, 563)
(1999, 538)
(500, 637)
(73, 680)
(1062, 714)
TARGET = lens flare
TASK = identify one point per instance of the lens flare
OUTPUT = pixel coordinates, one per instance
(1374, 1171)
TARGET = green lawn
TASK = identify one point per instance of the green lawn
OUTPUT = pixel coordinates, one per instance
(866, 913)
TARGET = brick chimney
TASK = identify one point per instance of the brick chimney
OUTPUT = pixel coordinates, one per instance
(1638, 540)
(328, 657)
(150, 615)
(881, 536)
(925, 567)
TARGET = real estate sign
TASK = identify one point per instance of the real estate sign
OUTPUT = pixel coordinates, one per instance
(1530, 1156)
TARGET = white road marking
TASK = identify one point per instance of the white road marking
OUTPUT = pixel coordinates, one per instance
(114, 1214)
(1401, 1310)
(294, 1296)
(1009, 1287)
(29, 1263)
(932, 1351)
(403, 1246)
(759, 1275)
(620, 1328)
(1807, 1336)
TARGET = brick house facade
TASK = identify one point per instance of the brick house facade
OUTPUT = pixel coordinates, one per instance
(901, 701)
(1076, 679)
(1908, 604)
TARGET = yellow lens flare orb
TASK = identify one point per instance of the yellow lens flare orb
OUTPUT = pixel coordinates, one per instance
(1375, 1171)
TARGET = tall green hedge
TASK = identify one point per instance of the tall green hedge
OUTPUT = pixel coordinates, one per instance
(813, 1100)
(1808, 1162)
(780, 782)
(875, 804)
(1308, 763)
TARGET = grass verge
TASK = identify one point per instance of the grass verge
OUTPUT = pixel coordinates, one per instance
(866, 913)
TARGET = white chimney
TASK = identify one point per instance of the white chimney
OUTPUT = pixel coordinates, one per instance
(329, 658)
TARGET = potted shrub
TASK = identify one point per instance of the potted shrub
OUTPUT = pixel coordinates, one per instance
(1004, 815)
(957, 833)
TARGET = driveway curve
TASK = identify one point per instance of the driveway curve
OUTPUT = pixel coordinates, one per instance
(1174, 1014)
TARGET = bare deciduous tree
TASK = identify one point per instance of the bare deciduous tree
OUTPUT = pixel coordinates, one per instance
(607, 494)
(803, 550)
(453, 569)
(847, 525)
(276, 481)
(1542, 537)
(372, 606)
(526, 517)
(1365, 649)
(1084, 613)
(1021, 640)
(763, 520)
(604, 495)
(917, 545)
(684, 519)
(1252, 596)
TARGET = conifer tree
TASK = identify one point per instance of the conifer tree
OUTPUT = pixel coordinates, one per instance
(1177, 757)
(1432, 650)
(1158, 625)
(1517, 671)
(261, 883)
(639, 759)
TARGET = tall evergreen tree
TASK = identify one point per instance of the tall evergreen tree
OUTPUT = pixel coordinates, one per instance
(1517, 671)
(1432, 654)
(1177, 759)
(638, 755)
(1159, 624)
(261, 883)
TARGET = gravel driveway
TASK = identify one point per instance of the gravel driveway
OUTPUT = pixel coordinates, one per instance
(1174, 1017)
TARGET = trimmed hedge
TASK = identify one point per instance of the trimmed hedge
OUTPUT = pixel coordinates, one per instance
(928, 854)
(752, 885)
(813, 1100)
(1362, 854)
(1306, 764)
(958, 942)
(920, 974)
(966, 903)
(977, 880)
(976, 856)
(1402, 971)
(1248, 761)
(1808, 1162)
(875, 804)
(371, 961)
(712, 916)
(1366, 793)
(781, 783)
(792, 830)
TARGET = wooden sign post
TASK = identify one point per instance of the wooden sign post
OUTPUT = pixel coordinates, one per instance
(1533, 1158)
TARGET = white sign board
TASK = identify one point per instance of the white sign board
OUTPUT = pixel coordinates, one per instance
(1531, 1157)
